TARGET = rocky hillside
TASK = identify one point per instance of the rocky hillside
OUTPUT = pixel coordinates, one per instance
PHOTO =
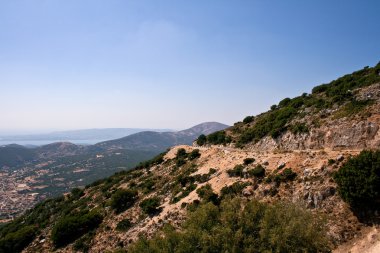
(190, 199)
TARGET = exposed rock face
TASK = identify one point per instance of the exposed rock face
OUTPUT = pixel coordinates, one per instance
(338, 134)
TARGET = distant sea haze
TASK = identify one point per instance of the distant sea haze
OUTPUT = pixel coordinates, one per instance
(44, 142)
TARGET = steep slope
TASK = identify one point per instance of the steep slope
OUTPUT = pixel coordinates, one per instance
(159, 142)
(289, 154)
(340, 115)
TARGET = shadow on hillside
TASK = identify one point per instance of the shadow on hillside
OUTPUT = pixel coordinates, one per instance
(368, 215)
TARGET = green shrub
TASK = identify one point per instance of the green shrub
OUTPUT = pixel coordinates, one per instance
(284, 102)
(76, 193)
(124, 225)
(353, 107)
(240, 226)
(180, 162)
(122, 199)
(218, 138)
(150, 205)
(272, 123)
(147, 185)
(185, 192)
(299, 128)
(181, 153)
(237, 171)
(202, 139)
(258, 171)
(248, 119)
(359, 179)
(194, 154)
(70, 228)
(83, 244)
(248, 161)
(207, 194)
(233, 190)
(288, 175)
(331, 161)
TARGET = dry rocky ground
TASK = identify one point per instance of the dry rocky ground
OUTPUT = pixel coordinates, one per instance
(313, 188)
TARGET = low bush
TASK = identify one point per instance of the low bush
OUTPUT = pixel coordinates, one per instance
(233, 190)
(359, 179)
(180, 162)
(124, 225)
(299, 128)
(248, 161)
(122, 199)
(240, 226)
(237, 171)
(70, 228)
(258, 171)
(207, 194)
(218, 138)
(150, 205)
(248, 119)
(181, 154)
(76, 193)
(194, 154)
(83, 244)
(202, 139)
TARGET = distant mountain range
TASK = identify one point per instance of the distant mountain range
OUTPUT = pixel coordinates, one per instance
(84, 134)
(146, 141)
(159, 141)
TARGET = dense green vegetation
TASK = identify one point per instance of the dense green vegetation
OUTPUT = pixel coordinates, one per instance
(71, 227)
(240, 226)
(18, 240)
(18, 234)
(123, 199)
(217, 138)
(14, 155)
(339, 90)
(359, 180)
(276, 121)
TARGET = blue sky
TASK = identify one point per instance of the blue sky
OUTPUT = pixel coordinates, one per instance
(70, 64)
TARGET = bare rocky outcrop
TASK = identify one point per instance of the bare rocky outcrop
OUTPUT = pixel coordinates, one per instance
(338, 134)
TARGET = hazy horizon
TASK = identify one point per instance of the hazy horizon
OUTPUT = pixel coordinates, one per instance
(67, 65)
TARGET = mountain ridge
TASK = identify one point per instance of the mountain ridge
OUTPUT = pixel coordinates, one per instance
(159, 141)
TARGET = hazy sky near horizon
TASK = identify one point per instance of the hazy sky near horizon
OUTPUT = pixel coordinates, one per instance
(71, 64)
